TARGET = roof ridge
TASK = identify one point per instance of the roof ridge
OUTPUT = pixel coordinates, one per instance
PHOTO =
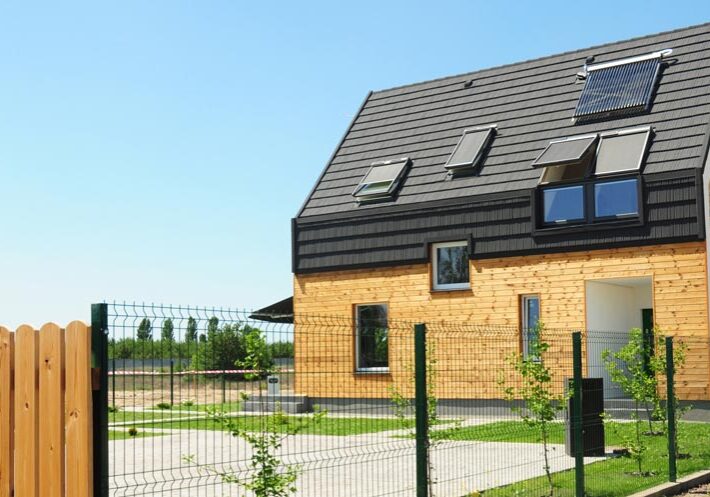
(535, 59)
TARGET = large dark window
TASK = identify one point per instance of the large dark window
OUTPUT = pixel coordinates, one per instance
(563, 204)
(616, 198)
(371, 340)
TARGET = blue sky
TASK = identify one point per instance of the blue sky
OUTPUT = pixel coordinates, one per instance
(156, 151)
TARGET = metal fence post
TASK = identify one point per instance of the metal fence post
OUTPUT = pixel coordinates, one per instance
(172, 382)
(670, 407)
(420, 404)
(99, 365)
(577, 414)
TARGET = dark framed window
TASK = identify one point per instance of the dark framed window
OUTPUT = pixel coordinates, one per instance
(470, 149)
(530, 324)
(563, 204)
(371, 338)
(450, 265)
(382, 180)
(614, 199)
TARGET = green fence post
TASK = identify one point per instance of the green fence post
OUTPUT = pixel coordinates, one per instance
(224, 388)
(172, 384)
(420, 404)
(99, 365)
(113, 382)
(577, 414)
(670, 407)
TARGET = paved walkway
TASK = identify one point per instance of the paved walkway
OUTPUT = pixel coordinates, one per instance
(368, 465)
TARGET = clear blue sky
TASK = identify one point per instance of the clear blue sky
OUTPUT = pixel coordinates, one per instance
(156, 151)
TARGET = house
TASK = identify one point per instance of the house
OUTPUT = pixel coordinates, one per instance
(569, 189)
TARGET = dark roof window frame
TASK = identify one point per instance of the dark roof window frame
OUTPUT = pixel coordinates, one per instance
(456, 167)
(591, 140)
(382, 189)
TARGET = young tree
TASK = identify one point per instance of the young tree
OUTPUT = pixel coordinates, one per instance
(542, 404)
(168, 334)
(191, 330)
(144, 333)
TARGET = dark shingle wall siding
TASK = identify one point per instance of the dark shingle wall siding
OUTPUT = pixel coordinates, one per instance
(498, 228)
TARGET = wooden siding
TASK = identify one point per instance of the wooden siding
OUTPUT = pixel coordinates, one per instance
(470, 358)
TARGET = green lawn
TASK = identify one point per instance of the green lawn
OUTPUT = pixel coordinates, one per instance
(126, 416)
(609, 478)
(123, 434)
(224, 407)
(326, 426)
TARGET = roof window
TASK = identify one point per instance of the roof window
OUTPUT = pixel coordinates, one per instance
(619, 87)
(566, 160)
(622, 151)
(382, 180)
(470, 149)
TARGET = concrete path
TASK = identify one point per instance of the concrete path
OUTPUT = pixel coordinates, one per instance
(368, 465)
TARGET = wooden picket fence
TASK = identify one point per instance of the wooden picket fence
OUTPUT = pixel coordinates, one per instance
(45, 412)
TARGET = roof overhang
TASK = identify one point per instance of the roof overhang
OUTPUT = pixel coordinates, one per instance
(279, 312)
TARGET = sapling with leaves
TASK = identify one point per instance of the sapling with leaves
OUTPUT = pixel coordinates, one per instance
(635, 368)
(542, 402)
(270, 476)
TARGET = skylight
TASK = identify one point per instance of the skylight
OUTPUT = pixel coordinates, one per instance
(566, 151)
(619, 87)
(622, 151)
(470, 148)
(381, 180)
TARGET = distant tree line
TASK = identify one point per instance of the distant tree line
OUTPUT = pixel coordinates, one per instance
(230, 346)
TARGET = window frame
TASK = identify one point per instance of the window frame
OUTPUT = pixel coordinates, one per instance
(591, 146)
(356, 336)
(642, 129)
(460, 167)
(524, 337)
(590, 222)
(606, 180)
(381, 194)
(444, 287)
(559, 186)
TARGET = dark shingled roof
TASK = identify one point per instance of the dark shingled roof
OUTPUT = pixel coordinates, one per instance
(532, 103)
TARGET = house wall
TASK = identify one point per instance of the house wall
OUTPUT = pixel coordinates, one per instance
(470, 358)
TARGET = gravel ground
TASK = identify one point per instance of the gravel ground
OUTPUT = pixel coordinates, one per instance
(701, 491)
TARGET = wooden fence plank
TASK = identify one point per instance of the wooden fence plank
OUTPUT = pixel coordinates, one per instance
(78, 406)
(6, 408)
(51, 406)
(26, 413)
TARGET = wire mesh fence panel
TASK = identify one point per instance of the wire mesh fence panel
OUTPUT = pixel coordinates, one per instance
(211, 402)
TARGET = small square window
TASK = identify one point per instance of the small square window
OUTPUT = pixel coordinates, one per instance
(381, 180)
(563, 204)
(371, 338)
(616, 198)
(622, 151)
(469, 149)
(450, 265)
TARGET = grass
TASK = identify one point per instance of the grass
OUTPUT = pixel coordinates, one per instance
(123, 434)
(128, 416)
(327, 426)
(224, 407)
(614, 477)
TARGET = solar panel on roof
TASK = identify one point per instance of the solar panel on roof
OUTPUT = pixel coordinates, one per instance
(470, 148)
(381, 180)
(618, 88)
(565, 151)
